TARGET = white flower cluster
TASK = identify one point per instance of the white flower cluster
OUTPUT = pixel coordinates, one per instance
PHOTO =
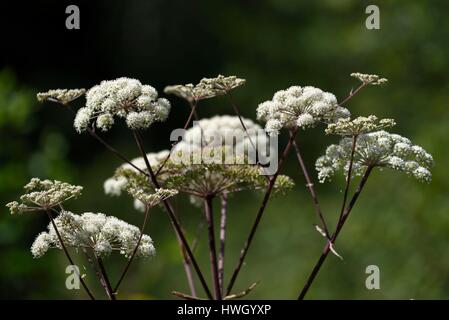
(376, 149)
(43, 195)
(221, 131)
(151, 199)
(221, 84)
(190, 92)
(372, 79)
(94, 231)
(124, 98)
(299, 106)
(359, 125)
(206, 88)
(115, 185)
(219, 135)
(63, 96)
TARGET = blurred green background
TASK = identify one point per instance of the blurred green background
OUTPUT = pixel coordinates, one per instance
(400, 225)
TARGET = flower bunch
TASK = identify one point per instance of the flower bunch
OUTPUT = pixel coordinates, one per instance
(44, 195)
(148, 199)
(63, 96)
(372, 79)
(114, 185)
(359, 125)
(376, 149)
(206, 88)
(221, 131)
(125, 98)
(93, 231)
(206, 162)
(301, 107)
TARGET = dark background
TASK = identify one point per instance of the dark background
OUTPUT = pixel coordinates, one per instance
(400, 225)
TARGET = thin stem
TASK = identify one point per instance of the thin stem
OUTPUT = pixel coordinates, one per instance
(352, 94)
(105, 278)
(327, 248)
(186, 262)
(348, 178)
(147, 210)
(172, 217)
(188, 271)
(68, 255)
(193, 106)
(310, 187)
(221, 254)
(260, 213)
(237, 112)
(103, 142)
(212, 249)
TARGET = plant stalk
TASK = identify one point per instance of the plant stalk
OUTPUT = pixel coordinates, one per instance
(260, 213)
(327, 248)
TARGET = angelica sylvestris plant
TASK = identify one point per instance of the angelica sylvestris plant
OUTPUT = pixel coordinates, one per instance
(208, 162)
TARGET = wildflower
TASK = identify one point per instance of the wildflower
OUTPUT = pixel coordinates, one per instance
(207, 162)
(220, 131)
(125, 98)
(114, 186)
(190, 92)
(348, 127)
(221, 84)
(301, 107)
(372, 79)
(63, 96)
(93, 231)
(376, 149)
(44, 195)
(149, 199)
(206, 88)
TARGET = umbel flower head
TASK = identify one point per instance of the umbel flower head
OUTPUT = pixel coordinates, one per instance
(206, 88)
(125, 98)
(376, 149)
(208, 178)
(222, 131)
(202, 167)
(63, 96)
(301, 107)
(114, 186)
(359, 125)
(221, 84)
(190, 92)
(144, 197)
(44, 195)
(96, 232)
(372, 79)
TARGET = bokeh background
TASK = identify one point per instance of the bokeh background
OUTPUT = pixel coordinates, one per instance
(400, 225)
